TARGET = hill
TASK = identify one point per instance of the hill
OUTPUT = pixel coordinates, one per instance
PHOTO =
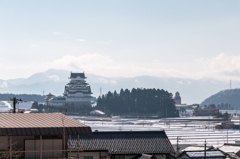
(230, 96)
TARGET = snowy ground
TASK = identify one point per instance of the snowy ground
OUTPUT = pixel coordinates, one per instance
(191, 131)
(194, 132)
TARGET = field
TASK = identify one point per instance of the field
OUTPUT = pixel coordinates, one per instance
(189, 132)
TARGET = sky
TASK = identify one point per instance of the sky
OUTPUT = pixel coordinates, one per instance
(164, 38)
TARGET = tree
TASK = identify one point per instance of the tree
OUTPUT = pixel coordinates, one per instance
(139, 101)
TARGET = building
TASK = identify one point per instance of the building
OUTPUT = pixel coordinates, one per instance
(177, 98)
(38, 135)
(97, 112)
(76, 92)
(201, 155)
(48, 97)
(231, 149)
(54, 135)
(204, 112)
(121, 145)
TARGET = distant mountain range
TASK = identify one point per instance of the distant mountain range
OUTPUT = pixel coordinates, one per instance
(52, 80)
(230, 96)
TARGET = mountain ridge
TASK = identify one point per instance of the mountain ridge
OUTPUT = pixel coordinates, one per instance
(52, 80)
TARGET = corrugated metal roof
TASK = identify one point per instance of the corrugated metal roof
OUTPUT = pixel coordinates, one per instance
(40, 124)
(125, 142)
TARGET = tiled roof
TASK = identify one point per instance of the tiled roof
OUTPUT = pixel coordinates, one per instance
(125, 142)
(75, 75)
(89, 92)
(40, 124)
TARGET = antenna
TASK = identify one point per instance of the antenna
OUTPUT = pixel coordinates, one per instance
(100, 91)
(230, 84)
(43, 92)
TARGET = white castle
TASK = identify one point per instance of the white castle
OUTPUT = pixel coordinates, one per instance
(77, 92)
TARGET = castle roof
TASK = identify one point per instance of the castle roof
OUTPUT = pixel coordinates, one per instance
(49, 94)
(75, 75)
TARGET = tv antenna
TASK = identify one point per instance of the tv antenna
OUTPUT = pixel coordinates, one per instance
(230, 84)
(100, 91)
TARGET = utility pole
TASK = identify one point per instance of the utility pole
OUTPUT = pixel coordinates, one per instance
(205, 145)
(166, 113)
(15, 101)
(169, 123)
(227, 134)
(177, 143)
(230, 84)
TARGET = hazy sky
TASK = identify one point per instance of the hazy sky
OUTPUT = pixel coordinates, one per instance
(168, 38)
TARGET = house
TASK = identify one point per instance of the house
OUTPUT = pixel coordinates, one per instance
(231, 149)
(121, 145)
(54, 135)
(38, 135)
(204, 112)
(201, 155)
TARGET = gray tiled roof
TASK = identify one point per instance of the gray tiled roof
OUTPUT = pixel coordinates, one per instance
(125, 142)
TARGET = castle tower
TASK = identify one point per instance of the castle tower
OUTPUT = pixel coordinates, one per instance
(77, 91)
(177, 98)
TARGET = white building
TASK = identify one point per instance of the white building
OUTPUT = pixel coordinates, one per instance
(77, 92)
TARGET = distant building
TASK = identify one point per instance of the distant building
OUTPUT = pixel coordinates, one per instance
(177, 98)
(204, 112)
(76, 92)
(97, 112)
(48, 97)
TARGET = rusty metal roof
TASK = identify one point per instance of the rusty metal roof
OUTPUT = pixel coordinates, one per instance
(41, 124)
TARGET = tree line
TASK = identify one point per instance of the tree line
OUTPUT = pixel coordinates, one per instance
(138, 102)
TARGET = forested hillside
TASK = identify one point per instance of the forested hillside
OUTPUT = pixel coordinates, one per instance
(225, 97)
(138, 102)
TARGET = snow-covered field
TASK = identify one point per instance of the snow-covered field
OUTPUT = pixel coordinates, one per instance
(194, 132)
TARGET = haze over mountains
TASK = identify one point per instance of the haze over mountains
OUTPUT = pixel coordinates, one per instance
(52, 80)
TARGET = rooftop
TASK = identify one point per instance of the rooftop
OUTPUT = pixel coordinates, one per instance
(75, 75)
(228, 148)
(125, 142)
(40, 124)
(200, 154)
